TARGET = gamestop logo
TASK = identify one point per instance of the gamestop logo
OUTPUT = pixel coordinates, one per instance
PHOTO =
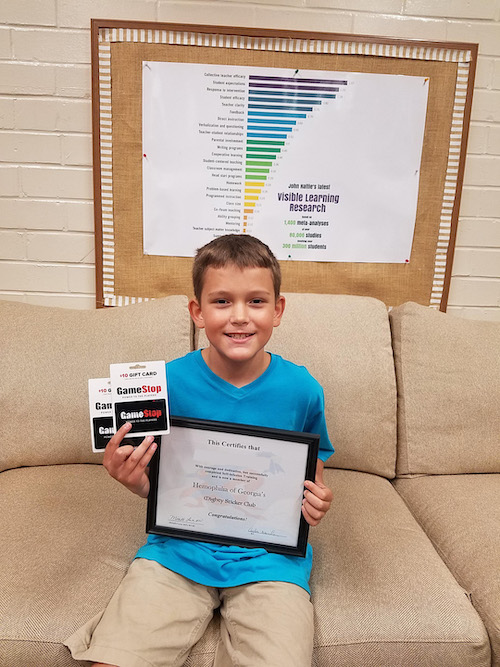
(145, 389)
(143, 415)
(140, 415)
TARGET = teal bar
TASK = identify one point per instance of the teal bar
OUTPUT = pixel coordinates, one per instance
(265, 143)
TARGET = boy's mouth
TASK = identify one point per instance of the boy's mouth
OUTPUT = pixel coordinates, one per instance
(239, 336)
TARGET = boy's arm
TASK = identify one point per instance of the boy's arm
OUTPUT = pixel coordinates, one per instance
(128, 464)
(317, 497)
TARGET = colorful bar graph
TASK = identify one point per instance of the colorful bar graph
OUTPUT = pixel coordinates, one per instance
(273, 103)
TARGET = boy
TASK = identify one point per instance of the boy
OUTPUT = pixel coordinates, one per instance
(166, 600)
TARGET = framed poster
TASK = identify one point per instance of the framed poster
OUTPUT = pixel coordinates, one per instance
(232, 484)
(344, 153)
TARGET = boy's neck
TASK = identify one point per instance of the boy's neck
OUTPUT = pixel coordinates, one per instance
(237, 374)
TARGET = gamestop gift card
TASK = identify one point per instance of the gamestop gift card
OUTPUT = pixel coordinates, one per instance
(139, 396)
(101, 420)
(101, 415)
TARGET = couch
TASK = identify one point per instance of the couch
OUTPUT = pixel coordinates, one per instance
(407, 561)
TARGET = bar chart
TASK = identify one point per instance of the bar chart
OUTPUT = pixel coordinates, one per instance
(276, 106)
(320, 165)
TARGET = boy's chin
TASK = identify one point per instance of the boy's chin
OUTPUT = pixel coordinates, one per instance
(242, 354)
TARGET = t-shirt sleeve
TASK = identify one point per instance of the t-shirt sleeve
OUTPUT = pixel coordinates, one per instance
(316, 423)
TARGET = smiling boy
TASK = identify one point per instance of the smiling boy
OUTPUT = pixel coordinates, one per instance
(168, 597)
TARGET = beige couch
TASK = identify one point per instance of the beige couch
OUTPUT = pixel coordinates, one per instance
(407, 562)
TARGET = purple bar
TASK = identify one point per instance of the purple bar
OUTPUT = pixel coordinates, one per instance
(254, 77)
(287, 86)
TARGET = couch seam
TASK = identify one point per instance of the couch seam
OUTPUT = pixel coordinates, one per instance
(403, 390)
(32, 641)
(400, 384)
(354, 643)
(401, 641)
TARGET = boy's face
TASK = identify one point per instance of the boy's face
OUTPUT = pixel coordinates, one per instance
(238, 311)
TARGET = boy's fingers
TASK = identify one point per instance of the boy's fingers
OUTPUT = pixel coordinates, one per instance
(311, 520)
(149, 454)
(144, 452)
(115, 462)
(316, 513)
(316, 502)
(115, 441)
(319, 491)
(123, 453)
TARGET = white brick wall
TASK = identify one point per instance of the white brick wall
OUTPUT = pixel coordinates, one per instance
(46, 221)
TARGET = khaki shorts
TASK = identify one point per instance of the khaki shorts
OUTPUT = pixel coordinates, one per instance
(156, 616)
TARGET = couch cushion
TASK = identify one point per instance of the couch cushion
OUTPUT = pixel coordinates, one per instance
(461, 515)
(47, 355)
(345, 342)
(448, 372)
(382, 595)
(68, 536)
(69, 533)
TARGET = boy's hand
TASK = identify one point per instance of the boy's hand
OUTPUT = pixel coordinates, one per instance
(128, 464)
(317, 498)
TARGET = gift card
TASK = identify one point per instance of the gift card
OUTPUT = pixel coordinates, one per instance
(139, 396)
(101, 415)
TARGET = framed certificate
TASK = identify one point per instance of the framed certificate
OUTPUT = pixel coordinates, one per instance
(232, 484)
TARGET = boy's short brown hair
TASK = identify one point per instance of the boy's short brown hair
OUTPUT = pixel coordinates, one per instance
(242, 250)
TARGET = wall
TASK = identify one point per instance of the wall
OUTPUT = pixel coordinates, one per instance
(46, 215)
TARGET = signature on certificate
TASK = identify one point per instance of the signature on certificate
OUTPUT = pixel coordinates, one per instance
(184, 520)
(267, 533)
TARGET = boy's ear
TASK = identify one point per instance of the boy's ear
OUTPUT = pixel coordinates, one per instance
(278, 310)
(196, 314)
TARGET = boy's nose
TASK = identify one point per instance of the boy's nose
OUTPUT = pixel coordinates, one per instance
(239, 314)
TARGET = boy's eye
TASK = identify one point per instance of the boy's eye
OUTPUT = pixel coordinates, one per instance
(221, 301)
(257, 301)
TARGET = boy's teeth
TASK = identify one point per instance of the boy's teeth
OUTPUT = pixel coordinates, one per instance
(239, 335)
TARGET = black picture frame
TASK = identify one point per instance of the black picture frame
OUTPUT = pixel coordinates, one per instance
(158, 527)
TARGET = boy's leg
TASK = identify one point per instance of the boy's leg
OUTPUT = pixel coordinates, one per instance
(154, 618)
(266, 624)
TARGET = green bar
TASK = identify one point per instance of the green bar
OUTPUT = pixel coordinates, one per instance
(258, 156)
(263, 148)
(265, 143)
(257, 171)
(255, 177)
(249, 163)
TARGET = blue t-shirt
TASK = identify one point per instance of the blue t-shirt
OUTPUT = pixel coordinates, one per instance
(285, 396)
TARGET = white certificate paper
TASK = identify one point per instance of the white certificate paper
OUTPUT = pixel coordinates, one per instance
(240, 485)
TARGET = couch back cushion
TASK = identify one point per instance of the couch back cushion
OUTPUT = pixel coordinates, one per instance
(448, 374)
(47, 355)
(345, 343)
